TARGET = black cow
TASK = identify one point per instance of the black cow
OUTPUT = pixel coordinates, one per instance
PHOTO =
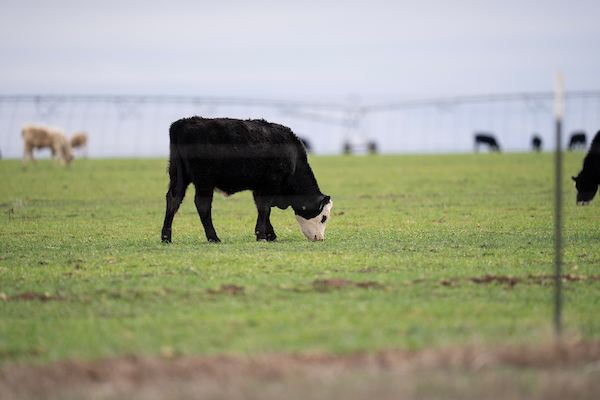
(578, 140)
(306, 144)
(481, 138)
(230, 156)
(536, 143)
(588, 179)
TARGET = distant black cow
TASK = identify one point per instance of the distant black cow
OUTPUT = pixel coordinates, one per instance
(588, 179)
(578, 141)
(230, 156)
(306, 144)
(536, 143)
(347, 148)
(489, 140)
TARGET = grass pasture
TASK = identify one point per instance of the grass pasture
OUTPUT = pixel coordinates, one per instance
(421, 252)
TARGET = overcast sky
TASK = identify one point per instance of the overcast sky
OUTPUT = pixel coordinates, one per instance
(302, 49)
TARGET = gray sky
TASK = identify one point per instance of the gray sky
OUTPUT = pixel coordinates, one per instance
(307, 49)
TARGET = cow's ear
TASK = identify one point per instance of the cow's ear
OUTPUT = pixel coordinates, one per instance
(575, 179)
(323, 202)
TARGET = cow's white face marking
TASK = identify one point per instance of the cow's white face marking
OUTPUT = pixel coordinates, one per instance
(314, 228)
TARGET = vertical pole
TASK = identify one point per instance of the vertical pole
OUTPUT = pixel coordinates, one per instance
(559, 111)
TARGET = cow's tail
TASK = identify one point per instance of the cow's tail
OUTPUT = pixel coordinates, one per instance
(177, 184)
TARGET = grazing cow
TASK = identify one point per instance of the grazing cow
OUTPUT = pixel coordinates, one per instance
(490, 140)
(578, 141)
(372, 147)
(536, 143)
(37, 137)
(347, 149)
(306, 144)
(230, 156)
(79, 141)
(588, 179)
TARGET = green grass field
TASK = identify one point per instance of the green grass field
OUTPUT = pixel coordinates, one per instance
(420, 252)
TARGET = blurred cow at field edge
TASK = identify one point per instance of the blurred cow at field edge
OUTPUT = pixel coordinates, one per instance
(536, 143)
(38, 137)
(586, 182)
(578, 141)
(487, 139)
(79, 141)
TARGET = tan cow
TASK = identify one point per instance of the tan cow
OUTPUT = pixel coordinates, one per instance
(79, 141)
(38, 137)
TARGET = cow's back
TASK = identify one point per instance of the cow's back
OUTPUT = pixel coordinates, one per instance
(225, 131)
(36, 136)
(235, 155)
(41, 136)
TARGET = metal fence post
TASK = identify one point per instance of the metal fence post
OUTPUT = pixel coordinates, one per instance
(559, 112)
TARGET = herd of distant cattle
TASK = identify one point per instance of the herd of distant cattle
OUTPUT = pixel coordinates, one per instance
(229, 155)
(577, 141)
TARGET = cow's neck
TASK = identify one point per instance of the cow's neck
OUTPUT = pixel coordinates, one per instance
(304, 180)
(302, 187)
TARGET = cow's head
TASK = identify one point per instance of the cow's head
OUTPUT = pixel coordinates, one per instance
(313, 216)
(586, 188)
(67, 152)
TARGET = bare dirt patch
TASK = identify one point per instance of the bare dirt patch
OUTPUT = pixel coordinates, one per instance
(339, 283)
(570, 371)
(28, 296)
(511, 281)
(325, 285)
(228, 289)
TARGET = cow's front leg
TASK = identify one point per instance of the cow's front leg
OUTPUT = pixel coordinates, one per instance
(203, 202)
(269, 231)
(28, 152)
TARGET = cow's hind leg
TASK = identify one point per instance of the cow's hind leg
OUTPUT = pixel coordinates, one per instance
(264, 230)
(27, 152)
(203, 202)
(174, 199)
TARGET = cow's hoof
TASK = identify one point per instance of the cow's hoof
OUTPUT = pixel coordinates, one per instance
(214, 240)
(166, 239)
(261, 240)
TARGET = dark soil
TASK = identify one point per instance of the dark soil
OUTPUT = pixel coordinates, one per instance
(324, 285)
(569, 371)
